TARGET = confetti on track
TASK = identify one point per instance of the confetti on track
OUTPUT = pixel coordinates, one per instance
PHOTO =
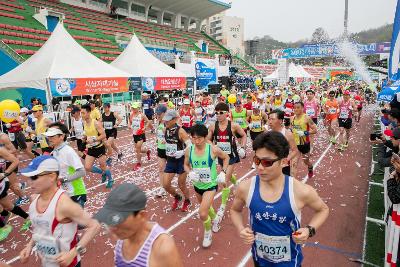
(335, 176)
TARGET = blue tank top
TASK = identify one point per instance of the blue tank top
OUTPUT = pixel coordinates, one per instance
(273, 225)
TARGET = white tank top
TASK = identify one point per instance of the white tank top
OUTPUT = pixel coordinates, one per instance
(78, 128)
(51, 236)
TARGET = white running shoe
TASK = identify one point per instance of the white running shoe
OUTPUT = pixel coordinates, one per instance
(207, 240)
(253, 166)
(161, 192)
(217, 220)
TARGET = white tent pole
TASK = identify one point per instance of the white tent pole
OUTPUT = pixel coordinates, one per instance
(48, 94)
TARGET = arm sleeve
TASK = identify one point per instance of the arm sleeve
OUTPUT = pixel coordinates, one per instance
(78, 174)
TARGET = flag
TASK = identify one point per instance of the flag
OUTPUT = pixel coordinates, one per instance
(394, 59)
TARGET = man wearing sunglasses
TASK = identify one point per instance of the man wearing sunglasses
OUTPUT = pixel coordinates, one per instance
(224, 133)
(275, 202)
(40, 127)
(55, 218)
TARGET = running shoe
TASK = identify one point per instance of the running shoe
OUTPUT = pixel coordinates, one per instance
(103, 177)
(22, 185)
(233, 179)
(110, 183)
(216, 224)
(207, 240)
(120, 156)
(186, 205)
(346, 145)
(21, 201)
(148, 154)
(175, 204)
(5, 231)
(253, 166)
(109, 161)
(4, 219)
(160, 192)
(26, 225)
(333, 140)
(310, 172)
(137, 166)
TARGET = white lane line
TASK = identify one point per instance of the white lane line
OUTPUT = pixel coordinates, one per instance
(184, 219)
(245, 259)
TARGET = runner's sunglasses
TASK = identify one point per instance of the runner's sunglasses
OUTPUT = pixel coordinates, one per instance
(264, 162)
(220, 112)
(35, 177)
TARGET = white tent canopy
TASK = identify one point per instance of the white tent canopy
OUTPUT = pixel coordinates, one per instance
(304, 72)
(139, 62)
(60, 57)
(294, 71)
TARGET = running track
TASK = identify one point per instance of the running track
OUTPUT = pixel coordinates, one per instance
(340, 178)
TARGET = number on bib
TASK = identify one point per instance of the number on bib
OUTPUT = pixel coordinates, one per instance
(108, 125)
(273, 248)
(11, 136)
(344, 114)
(310, 112)
(204, 175)
(225, 146)
(170, 149)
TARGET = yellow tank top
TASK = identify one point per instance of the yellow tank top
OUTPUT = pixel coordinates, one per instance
(90, 131)
(300, 124)
(277, 102)
(40, 130)
(257, 123)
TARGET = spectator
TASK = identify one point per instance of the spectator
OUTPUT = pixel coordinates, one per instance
(387, 147)
(34, 102)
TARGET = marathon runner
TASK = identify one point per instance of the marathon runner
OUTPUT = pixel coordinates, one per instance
(275, 202)
(239, 115)
(359, 101)
(41, 125)
(311, 106)
(77, 129)
(28, 131)
(111, 121)
(331, 109)
(302, 127)
(139, 123)
(55, 218)
(176, 139)
(161, 152)
(288, 108)
(140, 242)
(224, 133)
(346, 109)
(187, 115)
(257, 120)
(200, 164)
(94, 135)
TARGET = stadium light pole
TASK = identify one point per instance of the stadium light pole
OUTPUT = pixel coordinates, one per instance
(346, 17)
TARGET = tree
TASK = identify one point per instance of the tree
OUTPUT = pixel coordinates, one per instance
(319, 36)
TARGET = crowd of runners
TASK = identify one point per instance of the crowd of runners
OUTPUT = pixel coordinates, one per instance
(200, 140)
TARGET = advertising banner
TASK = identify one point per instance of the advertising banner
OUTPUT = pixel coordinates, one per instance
(87, 86)
(394, 59)
(206, 72)
(163, 83)
(135, 84)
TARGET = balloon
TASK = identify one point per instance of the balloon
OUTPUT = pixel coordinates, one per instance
(232, 99)
(9, 110)
(258, 82)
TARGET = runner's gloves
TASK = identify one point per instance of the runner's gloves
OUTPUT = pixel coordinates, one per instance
(302, 133)
(179, 154)
(194, 177)
(221, 177)
(241, 152)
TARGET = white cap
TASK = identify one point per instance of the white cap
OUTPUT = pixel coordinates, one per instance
(52, 132)
(24, 110)
(278, 92)
(186, 101)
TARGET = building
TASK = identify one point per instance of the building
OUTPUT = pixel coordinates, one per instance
(227, 30)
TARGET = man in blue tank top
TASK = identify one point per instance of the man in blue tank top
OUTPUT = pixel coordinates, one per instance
(275, 202)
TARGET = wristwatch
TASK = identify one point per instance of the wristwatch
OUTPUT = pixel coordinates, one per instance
(311, 230)
(80, 250)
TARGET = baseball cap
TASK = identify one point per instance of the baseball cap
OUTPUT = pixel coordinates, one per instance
(53, 131)
(107, 105)
(186, 101)
(24, 110)
(37, 108)
(255, 106)
(238, 103)
(278, 92)
(135, 105)
(347, 92)
(41, 164)
(393, 133)
(145, 94)
(121, 203)
(289, 93)
(170, 115)
(161, 109)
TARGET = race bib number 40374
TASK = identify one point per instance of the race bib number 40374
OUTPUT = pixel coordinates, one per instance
(273, 248)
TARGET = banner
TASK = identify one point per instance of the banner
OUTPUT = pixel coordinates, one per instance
(163, 83)
(394, 59)
(328, 50)
(206, 72)
(135, 84)
(87, 86)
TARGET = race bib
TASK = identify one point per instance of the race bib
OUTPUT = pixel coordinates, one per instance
(11, 136)
(78, 134)
(225, 146)
(238, 121)
(185, 119)
(204, 175)
(288, 110)
(256, 124)
(68, 188)
(136, 125)
(108, 125)
(93, 138)
(310, 112)
(344, 114)
(170, 149)
(273, 248)
(47, 246)
(332, 110)
(160, 136)
(145, 106)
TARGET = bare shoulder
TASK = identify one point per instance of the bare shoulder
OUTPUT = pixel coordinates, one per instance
(164, 247)
(302, 191)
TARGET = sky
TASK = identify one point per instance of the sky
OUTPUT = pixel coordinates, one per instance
(292, 20)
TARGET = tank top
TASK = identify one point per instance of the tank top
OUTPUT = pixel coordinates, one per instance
(300, 124)
(50, 235)
(160, 136)
(310, 108)
(199, 112)
(273, 225)
(91, 133)
(78, 128)
(240, 117)
(257, 123)
(332, 107)
(108, 121)
(173, 142)
(289, 107)
(205, 166)
(3, 167)
(345, 110)
(225, 139)
(142, 258)
(186, 117)
(15, 127)
(40, 130)
(358, 101)
(277, 104)
(137, 124)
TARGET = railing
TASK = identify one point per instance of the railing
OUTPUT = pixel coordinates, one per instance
(14, 55)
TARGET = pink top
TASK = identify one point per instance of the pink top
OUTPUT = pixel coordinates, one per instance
(345, 110)
(311, 108)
